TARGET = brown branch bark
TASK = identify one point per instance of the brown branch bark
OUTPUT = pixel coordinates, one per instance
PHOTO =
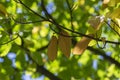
(53, 21)
(47, 73)
(43, 70)
(40, 68)
(95, 51)
(102, 53)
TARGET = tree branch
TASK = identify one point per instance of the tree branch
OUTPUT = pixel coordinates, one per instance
(19, 1)
(95, 51)
(10, 40)
(53, 21)
(71, 14)
(102, 53)
(47, 73)
(40, 68)
(30, 22)
(113, 26)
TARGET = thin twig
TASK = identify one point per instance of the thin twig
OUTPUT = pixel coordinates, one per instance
(95, 51)
(60, 26)
(104, 43)
(115, 23)
(39, 68)
(102, 53)
(81, 34)
(47, 14)
(71, 16)
(10, 40)
(30, 22)
(32, 10)
(112, 28)
(61, 33)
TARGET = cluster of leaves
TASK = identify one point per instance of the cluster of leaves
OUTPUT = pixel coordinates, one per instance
(64, 42)
(32, 32)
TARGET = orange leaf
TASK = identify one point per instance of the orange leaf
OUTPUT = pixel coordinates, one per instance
(64, 43)
(52, 48)
(81, 45)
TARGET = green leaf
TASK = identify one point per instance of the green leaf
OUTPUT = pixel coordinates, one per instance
(18, 40)
(90, 30)
(4, 36)
(3, 10)
(37, 58)
(31, 68)
(4, 77)
(110, 3)
(7, 66)
(17, 76)
(113, 2)
(113, 14)
(95, 27)
(95, 22)
(5, 49)
(20, 59)
(97, 35)
(115, 25)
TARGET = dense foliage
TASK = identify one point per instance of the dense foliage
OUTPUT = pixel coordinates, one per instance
(38, 38)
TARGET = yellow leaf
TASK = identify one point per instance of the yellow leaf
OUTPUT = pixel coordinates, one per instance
(118, 21)
(64, 43)
(81, 45)
(18, 41)
(116, 25)
(52, 48)
(3, 10)
(114, 14)
(81, 2)
(110, 3)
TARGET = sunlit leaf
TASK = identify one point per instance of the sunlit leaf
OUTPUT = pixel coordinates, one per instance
(18, 40)
(100, 73)
(31, 68)
(95, 27)
(115, 25)
(4, 49)
(70, 16)
(97, 34)
(81, 2)
(94, 31)
(110, 3)
(114, 14)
